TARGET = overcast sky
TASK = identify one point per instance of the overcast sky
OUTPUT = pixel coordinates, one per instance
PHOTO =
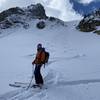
(57, 8)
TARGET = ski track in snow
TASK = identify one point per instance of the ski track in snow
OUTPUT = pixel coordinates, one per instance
(57, 59)
(20, 94)
(23, 94)
(52, 81)
(78, 82)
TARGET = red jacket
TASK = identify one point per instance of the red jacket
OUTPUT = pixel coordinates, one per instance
(40, 57)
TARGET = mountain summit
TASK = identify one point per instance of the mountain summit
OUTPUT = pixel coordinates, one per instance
(17, 16)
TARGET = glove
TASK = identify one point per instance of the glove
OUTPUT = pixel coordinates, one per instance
(33, 63)
(32, 76)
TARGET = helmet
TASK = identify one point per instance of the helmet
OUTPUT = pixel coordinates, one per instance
(39, 45)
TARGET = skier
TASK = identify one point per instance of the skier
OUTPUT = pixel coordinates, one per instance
(39, 61)
(41, 58)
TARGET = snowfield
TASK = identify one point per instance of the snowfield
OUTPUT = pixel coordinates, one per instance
(73, 71)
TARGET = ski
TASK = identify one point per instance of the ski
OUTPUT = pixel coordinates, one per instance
(18, 85)
(25, 85)
(37, 86)
(21, 83)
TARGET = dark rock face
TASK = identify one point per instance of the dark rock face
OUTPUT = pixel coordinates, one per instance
(86, 26)
(37, 11)
(21, 16)
(52, 19)
(9, 12)
(89, 22)
(16, 15)
(5, 24)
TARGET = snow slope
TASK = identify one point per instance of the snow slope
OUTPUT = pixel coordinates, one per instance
(73, 72)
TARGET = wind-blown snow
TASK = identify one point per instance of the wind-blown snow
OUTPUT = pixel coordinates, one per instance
(73, 72)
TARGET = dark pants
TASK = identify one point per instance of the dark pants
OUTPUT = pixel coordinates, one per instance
(37, 73)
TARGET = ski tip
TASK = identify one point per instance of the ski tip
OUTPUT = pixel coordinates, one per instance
(12, 85)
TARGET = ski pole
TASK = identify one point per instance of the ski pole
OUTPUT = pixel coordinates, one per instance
(44, 65)
(30, 81)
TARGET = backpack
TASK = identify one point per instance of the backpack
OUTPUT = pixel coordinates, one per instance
(46, 56)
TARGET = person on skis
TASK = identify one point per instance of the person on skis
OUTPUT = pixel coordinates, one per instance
(39, 61)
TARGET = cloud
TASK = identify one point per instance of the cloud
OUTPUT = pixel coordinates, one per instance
(65, 9)
(1, 2)
(5, 4)
(58, 8)
(87, 1)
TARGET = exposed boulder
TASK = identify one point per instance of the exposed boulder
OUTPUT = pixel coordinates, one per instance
(41, 25)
